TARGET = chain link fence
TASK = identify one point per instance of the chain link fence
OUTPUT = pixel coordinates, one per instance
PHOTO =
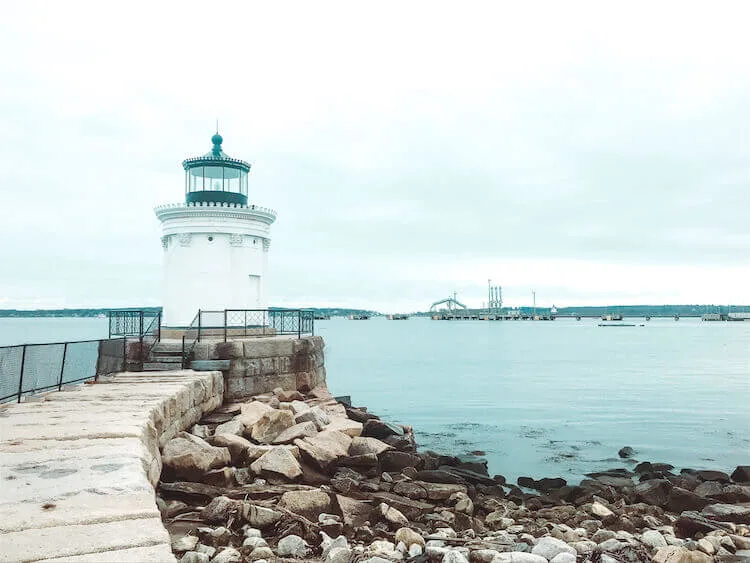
(29, 368)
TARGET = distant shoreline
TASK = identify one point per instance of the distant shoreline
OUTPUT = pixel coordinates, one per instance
(562, 312)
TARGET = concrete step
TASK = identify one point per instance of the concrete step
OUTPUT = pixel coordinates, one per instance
(168, 347)
(165, 359)
(159, 366)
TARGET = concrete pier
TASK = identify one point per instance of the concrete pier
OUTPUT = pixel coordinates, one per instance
(78, 467)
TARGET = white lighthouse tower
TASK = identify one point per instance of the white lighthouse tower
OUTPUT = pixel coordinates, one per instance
(215, 244)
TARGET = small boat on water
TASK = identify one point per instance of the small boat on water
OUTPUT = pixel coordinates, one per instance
(397, 317)
(612, 317)
(359, 317)
(617, 323)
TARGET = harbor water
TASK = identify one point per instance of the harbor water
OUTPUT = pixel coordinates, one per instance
(541, 399)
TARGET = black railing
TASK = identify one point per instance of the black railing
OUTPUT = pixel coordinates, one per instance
(191, 335)
(28, 368)
(239, 323)
(262, 322)
(144, 325)
(131, 322)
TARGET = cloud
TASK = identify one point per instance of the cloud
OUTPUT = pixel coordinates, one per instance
(410, 150)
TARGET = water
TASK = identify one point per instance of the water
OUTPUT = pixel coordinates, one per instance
(553, 398)
(539, 398)
(53, 329)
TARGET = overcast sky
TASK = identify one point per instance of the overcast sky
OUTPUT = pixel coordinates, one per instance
(595, 155)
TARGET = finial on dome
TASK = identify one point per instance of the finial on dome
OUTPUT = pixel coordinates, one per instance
(217, 140)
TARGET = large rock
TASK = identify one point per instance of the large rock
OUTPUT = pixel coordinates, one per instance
(347, 426)
(324, 449)
(277, 462)
(315, 415)
(741, 474)
(710, 475)
(251, 412)
(233, 426)
(237, 446)
(270, 425)
(260, 516)
(709, 489)
(690, 523)
(654, 492)
(396, 461)
(301, 430)
(363, 445)
(309, 504)
(392, 515)
(255, 451)
(737, 513)
(374, 428)
(734, 493)
(189, 457)
(355, 512)
(681, 499)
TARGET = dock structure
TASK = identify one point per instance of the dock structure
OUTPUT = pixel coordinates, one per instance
(484, 315)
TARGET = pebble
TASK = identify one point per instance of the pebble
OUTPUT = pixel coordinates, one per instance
(339, 555)
(602, 535)
(454, 556)
(184, 543)
(207, 549)
(516, 557)
(563, 558)
(254, 542)
(261, 553)
(409, 537)
(653, 539)
(292, 546)
(611, 544)
(228, 555)
(194, 557)
(251, 532)
(598, 509)
(548, 547)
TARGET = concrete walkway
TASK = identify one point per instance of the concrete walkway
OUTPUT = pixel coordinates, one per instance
(78, 468)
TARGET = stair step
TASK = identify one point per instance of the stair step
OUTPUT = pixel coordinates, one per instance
(160, 366)
(170, 354)
(168, 347)
(165, 359)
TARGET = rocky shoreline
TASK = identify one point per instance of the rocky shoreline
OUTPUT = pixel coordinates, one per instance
(293, 477)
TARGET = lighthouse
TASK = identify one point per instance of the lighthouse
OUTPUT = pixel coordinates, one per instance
(215, 244)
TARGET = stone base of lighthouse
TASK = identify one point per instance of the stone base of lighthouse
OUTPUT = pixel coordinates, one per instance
(215, 258)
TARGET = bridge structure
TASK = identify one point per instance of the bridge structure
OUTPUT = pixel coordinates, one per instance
(451, 304)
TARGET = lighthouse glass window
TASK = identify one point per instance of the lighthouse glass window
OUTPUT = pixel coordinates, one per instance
(216, 179)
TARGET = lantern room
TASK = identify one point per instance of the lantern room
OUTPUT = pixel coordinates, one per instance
(216, 177)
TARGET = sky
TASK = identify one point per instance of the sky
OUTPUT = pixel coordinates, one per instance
(592, 152)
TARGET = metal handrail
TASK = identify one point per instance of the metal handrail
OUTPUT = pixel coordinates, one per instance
(187, 346)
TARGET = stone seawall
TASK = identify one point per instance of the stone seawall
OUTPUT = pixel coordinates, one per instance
(259, 365)
(78, 467)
